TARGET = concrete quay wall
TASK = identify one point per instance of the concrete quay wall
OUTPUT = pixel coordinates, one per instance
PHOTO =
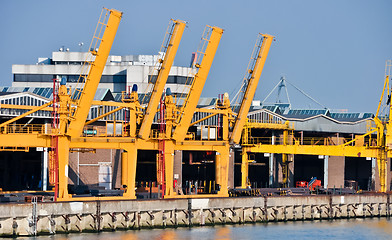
(27, 219)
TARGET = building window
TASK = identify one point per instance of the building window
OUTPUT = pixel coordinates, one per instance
(172, 79)
(33, 78)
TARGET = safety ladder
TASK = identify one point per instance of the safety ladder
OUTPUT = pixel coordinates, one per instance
(161, 147)
(388, 68)
(53, 152)
(183, 99)
(237, 99)
(158, 64)
(93, 49)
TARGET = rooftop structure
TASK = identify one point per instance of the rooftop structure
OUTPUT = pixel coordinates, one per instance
(120, 72)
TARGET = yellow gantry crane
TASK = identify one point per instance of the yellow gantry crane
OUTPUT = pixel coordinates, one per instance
(100, 48)
(73, 110)
(175, 35)
(250, 82)
(179, 119)
(361, 146)
(255, 68)
(189, 106)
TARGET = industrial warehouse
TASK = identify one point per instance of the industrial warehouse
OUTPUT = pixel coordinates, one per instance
(87, 127)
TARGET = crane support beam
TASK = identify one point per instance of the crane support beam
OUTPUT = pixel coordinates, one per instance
(24, 140)
(163, 74)
(251, 88)
(111, 104)
(86, 98)
(338, 150)
(197, 85)
(103, 115)
(23, 107)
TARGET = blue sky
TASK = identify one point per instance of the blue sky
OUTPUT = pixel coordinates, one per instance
(333, 50)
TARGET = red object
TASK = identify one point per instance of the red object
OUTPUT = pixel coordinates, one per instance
(305, 184)
(316, 183)
(301, 184)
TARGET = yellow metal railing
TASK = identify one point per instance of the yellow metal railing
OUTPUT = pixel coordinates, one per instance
(309, 141)
(23, 129)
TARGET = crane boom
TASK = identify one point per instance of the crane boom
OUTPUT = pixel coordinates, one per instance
(92, 80)
(163, 73)
(251, 87)
(199, 80)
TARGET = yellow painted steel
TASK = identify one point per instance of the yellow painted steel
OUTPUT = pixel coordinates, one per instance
(73, 119)
(222, 171)
(124, 167)
(63, 157)
(28, 139)
(163, 74)
(169, 168)
(251, 88)
(77, 121)
(83, 105)
(244, 168)
(338, 150)
(111, 104)
(222, 149)
(24, 107)
(189, 107)
(129, 163)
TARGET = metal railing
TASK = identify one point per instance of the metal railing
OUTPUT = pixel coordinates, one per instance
(23, 129)
(312, 141)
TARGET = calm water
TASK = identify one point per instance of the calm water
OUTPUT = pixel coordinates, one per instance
(339, 229)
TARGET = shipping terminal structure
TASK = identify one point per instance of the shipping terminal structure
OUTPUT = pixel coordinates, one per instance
(95, 127)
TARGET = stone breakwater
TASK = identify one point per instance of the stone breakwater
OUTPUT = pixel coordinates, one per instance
(27, 219)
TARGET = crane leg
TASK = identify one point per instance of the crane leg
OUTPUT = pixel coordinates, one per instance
(382, 169)
(129, 159)
(63, 162)
(285, 170)
(222, 171)
(169, 169)
(244, 169)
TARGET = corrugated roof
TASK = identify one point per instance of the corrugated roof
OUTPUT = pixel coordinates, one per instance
(305, 113)
(102, 94)
(351, 117)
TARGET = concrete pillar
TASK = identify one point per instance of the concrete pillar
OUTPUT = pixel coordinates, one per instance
(277, 170)
(377, 184)
(374, 172)
(231, 169)
(178, 168)
(271, 164)
(291, 157)
(336, 165)
(45, 169)
(326, 158)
